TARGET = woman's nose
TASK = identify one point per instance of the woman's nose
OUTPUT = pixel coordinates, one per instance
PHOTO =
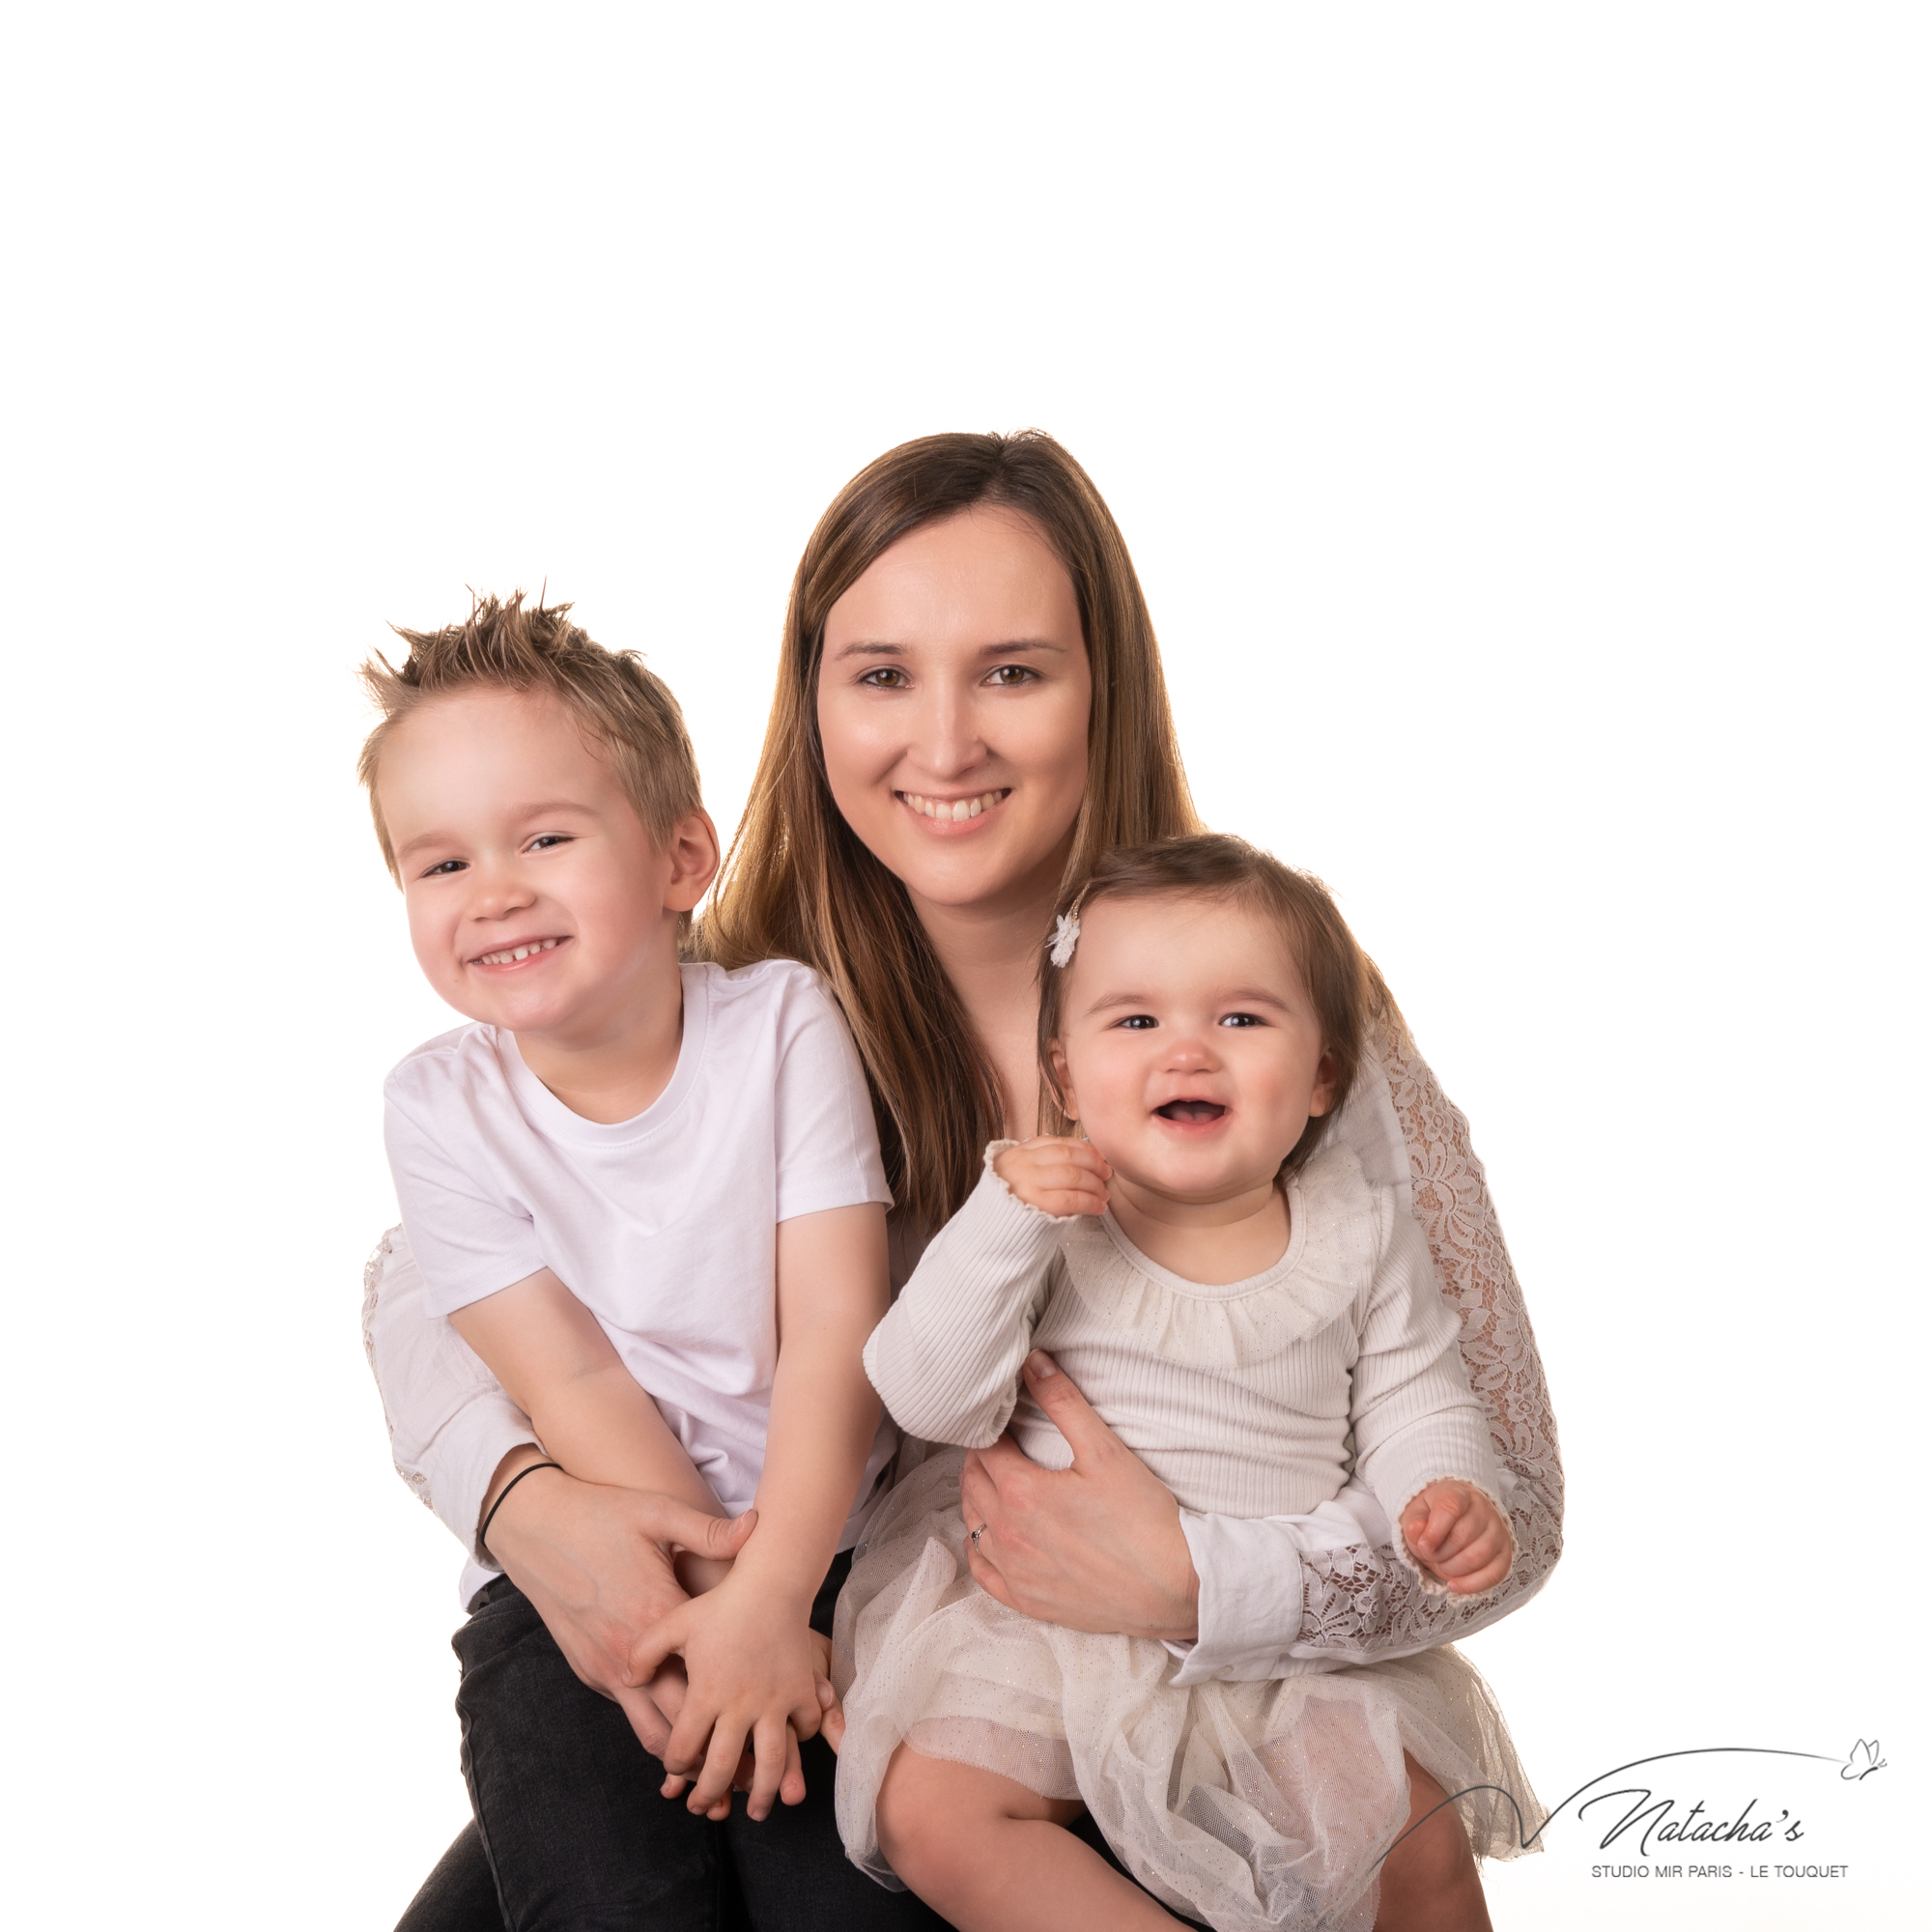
(950, 740)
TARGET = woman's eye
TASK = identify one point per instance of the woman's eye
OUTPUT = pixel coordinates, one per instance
(1008, 677)
(888, 678)
(1240, 1019)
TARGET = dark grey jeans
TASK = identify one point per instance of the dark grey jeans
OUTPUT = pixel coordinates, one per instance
(570, 1832)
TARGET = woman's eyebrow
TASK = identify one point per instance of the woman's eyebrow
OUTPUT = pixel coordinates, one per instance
(869, 647)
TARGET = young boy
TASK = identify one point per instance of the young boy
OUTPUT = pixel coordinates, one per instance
(647, 1194)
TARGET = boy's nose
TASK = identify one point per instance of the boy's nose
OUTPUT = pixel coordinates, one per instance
(499, 893)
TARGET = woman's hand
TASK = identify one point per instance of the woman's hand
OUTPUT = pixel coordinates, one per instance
(1457, 1534)
(1098, 1546)
(593, 1562)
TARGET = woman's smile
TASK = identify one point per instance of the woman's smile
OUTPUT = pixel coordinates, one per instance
(947, 813)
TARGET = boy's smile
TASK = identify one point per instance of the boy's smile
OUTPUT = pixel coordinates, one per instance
(537, 899)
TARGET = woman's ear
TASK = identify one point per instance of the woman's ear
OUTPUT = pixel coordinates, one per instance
(693, 851)
(1069, 1104)
(1324, 1097)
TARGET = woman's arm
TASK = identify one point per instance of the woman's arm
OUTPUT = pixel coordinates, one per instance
(450, 1424)
(1281, 1597)
(590, 1559)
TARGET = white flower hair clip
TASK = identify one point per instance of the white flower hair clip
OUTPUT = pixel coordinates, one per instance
(1065, 933)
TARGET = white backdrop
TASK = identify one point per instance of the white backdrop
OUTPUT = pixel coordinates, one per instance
(1519, 419)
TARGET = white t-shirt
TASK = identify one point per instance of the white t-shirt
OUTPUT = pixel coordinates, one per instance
(664, 1227)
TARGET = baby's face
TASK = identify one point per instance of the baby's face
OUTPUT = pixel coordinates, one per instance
(513, 836)
(1191, 1052)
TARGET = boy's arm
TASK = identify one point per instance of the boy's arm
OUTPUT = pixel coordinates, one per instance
(557, 1365)
(746, 1645)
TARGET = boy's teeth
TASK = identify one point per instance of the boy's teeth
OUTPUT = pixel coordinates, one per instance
(955, 808)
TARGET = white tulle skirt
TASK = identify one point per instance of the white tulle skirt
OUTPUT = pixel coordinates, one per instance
(1246, 1806)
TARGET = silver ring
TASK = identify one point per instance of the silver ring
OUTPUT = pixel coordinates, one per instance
(974, 1538)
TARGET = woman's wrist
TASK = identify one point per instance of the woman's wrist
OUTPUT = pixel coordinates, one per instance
(525, 1456)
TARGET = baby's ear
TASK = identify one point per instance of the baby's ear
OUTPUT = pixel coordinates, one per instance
(1064, 1080)
(1324, 1097)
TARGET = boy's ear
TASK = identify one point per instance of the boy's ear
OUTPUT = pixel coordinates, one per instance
(1324, 1097)
(1069, 1104)
(693, 849)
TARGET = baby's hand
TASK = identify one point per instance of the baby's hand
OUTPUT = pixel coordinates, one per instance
(1457, 1534)
(1057, 1177)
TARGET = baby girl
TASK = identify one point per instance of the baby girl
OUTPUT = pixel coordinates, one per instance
(1253, 1317)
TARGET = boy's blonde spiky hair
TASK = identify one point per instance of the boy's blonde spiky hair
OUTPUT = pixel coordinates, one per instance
(623, 709)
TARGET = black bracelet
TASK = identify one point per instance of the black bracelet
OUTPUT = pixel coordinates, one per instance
(483, 1534)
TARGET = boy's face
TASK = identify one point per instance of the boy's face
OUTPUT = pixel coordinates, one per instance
(513, 836)
(1189, 1050)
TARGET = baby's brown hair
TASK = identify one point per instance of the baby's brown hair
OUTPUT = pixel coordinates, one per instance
(621, 708)
(1341, 980)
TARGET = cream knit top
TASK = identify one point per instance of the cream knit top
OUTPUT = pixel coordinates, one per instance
(1246, 1400)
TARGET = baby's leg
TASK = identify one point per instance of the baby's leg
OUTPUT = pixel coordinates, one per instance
(990, 1856)
(1429, 1881)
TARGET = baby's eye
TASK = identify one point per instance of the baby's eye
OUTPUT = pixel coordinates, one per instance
(888, 678)
(1137, 1022)
(445, 871)
(1241, 1019)
(1009, 677)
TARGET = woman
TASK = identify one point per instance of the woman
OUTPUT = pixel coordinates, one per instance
(970, 703)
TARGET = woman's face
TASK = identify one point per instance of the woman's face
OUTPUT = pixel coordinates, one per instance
(953, 701)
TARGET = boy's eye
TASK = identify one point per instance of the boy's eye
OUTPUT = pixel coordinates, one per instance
(1240, 1019)
(1009, 677)
(445, 870)
(887, 677)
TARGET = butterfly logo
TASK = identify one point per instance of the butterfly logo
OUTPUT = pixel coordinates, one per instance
(1862, 1762)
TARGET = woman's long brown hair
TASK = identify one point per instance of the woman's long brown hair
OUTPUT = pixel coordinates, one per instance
(797, 884)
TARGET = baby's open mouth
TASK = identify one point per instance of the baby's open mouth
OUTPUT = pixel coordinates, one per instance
(1191, 1110)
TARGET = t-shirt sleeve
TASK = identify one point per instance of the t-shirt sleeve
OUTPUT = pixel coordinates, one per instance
(466, 1239)
(827, 1145)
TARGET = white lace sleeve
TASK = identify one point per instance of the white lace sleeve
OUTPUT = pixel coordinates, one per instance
(449, 1421)
(1358, 1600)
(1362, 1601)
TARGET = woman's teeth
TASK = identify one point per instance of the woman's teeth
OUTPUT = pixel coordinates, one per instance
(515, 953)
(954, 809)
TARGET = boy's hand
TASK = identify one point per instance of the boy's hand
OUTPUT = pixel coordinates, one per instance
(1457, 1534)
(754, 1688)
(1057, 1175)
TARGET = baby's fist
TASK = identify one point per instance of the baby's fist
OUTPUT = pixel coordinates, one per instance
(1057, 1177)
(1457, 1534)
